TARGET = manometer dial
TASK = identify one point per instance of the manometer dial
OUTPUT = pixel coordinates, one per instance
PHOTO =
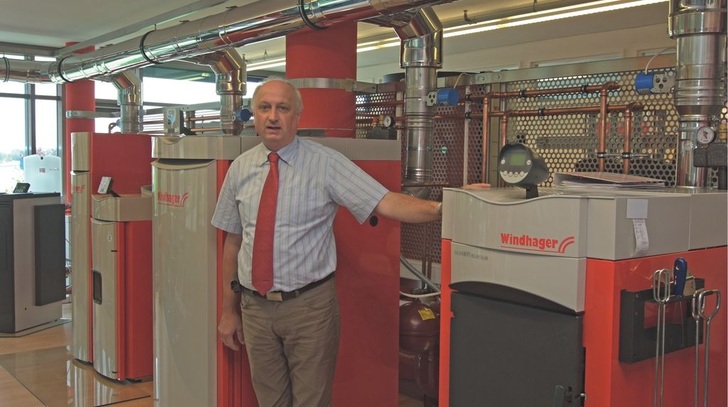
(705, 135)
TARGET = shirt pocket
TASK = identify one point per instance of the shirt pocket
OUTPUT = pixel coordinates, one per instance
(301, 206)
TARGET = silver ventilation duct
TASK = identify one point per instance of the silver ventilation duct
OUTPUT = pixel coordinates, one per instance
(699, 95)
(18, 70)
(262, 20)
(230, 80)
(421, 57)
(129, 88)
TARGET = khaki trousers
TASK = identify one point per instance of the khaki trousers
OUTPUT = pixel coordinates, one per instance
(292, 347)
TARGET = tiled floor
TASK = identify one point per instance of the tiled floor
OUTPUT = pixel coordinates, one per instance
(37, 370)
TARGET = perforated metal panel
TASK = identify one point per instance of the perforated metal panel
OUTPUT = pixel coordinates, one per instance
(568, 142)
(370, 108)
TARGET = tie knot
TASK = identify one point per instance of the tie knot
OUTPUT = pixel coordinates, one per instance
(273, 158)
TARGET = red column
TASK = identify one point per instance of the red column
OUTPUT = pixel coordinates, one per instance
(328, 53)
(77, 95)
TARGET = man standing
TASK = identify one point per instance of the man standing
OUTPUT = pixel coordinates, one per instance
(277, 205)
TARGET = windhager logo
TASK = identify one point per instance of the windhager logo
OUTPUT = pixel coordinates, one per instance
(165, 198)
(535, 243)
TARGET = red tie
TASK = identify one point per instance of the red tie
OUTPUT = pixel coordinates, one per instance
(264, 229)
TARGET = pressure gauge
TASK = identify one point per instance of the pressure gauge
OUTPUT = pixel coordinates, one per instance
(387, 121)
(705, 135)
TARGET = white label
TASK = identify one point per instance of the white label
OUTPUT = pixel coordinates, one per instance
(636, 209)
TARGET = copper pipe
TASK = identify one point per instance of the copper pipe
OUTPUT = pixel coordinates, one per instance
(503, 130)
(603, 109)
(556, 91)
(383, 103)
(602, 127)
(603, 89)
(368, 118)
(540, 112)
(203, 118)
(562, 111)
(205, 129)
(628, 122)
(626, 153)
(486, 139)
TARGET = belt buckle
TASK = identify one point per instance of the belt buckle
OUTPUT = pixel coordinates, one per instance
(274, 296)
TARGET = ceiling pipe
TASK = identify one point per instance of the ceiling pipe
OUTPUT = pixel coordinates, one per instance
(231, 81)
(19, 70)
(236, 27)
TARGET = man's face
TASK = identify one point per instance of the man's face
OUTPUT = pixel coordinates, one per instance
(275, 114)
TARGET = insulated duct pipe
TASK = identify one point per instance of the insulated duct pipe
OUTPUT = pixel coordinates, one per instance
(236, 27)
(421, 57)
(18, 70)
(129, 99)
(699, 94)
(231, 80)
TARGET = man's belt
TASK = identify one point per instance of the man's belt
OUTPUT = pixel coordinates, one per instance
(288, 295)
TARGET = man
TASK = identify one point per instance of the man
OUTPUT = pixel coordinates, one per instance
(291, 328)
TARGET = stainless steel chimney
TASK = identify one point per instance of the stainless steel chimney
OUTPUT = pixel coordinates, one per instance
(699, 26)
(421, 57)
(231, 80)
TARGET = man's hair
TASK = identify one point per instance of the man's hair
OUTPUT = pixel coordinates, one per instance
(297, 100)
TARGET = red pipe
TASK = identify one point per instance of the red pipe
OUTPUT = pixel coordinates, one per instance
(78, 95)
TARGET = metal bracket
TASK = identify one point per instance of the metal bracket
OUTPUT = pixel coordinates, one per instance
(85, 114)
(348, 85)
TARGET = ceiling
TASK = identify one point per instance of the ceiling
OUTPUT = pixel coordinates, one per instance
(41, 27)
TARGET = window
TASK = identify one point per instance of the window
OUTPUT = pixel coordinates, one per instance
(13, 145)
(46, 127)
(31, 126)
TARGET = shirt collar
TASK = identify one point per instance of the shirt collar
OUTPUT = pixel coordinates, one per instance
(286, 153)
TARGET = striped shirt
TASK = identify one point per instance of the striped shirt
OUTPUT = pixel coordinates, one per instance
(314, 181)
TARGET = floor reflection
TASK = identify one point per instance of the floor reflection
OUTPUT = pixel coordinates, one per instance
(58, 380)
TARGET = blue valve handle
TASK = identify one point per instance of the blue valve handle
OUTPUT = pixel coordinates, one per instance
(680, 271)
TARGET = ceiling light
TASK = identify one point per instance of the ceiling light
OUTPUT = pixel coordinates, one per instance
(267, 64)
(592, 7)
(544, 16)
(375, 45)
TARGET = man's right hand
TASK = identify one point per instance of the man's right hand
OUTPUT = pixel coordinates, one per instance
(231, 330)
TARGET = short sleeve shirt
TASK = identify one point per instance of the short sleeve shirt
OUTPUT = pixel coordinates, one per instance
(314, 181)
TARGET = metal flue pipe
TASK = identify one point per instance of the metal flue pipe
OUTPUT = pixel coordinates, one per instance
(231, 80)
(129, 88)
(262, 20)
(421, 57)
(699, 95)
